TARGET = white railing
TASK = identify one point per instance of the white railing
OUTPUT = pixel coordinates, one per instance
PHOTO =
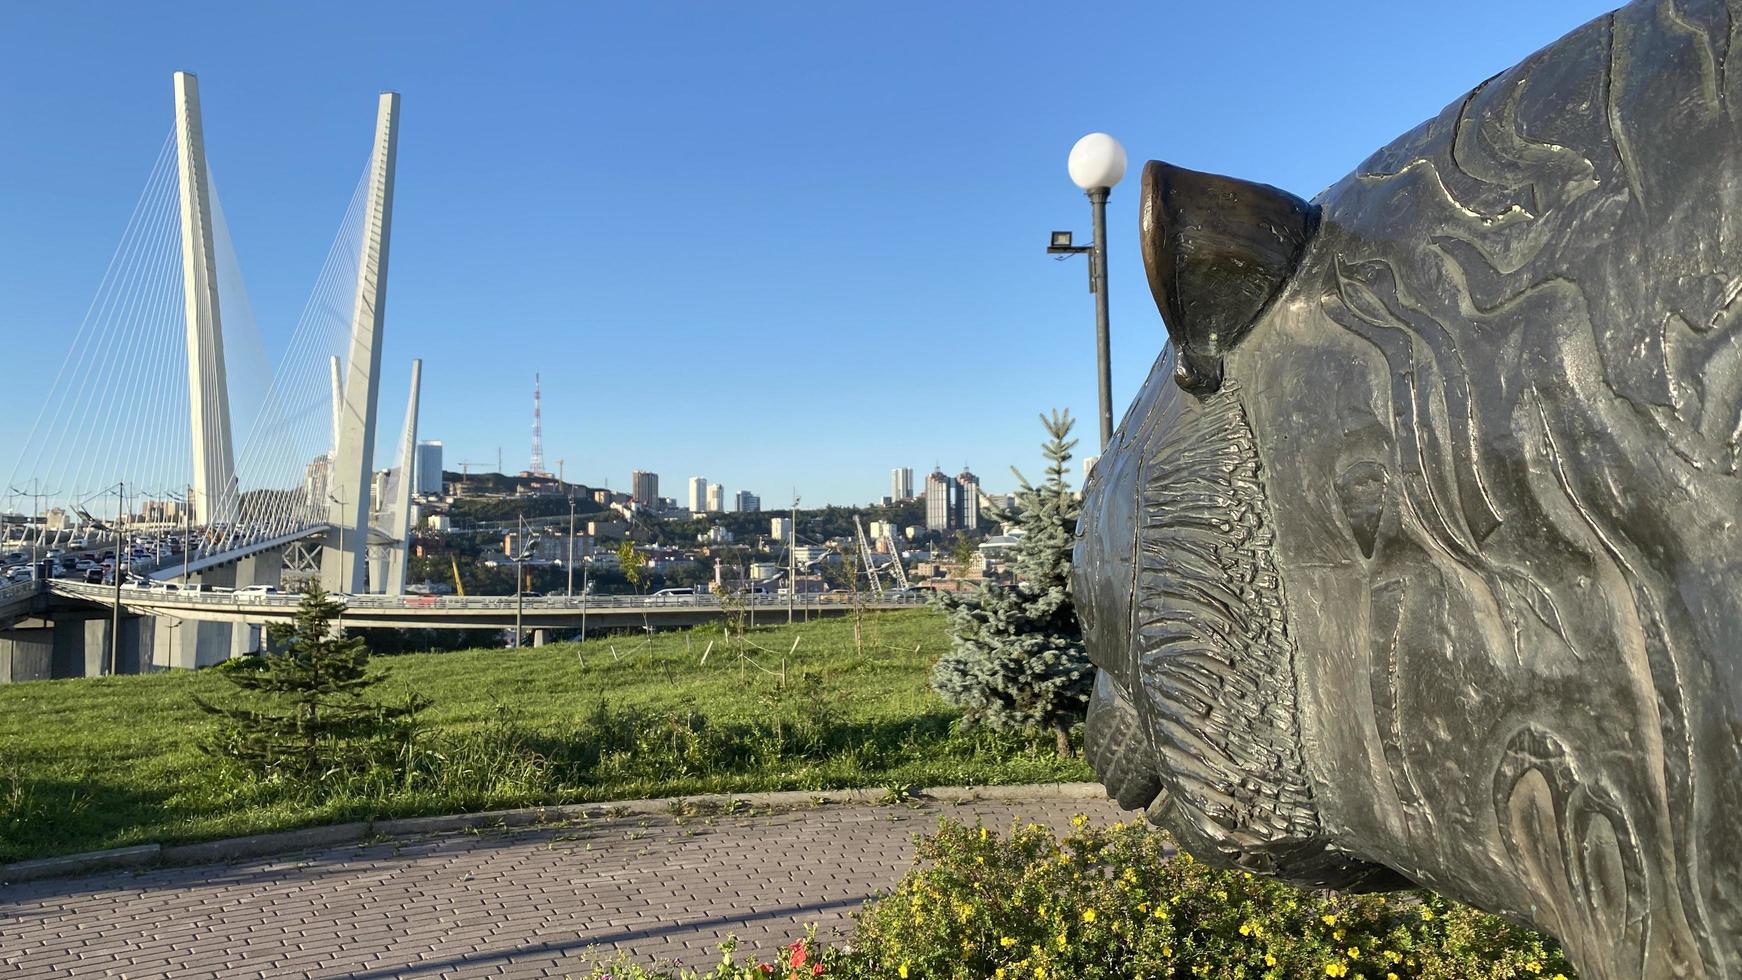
(14, 591)
(132, 595)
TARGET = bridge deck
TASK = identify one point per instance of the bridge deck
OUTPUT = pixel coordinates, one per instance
(472, 612)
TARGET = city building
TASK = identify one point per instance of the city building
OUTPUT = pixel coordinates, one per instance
(716, 498)
(607, 529)
(780, 528)
(698, 494)
(1088, 467)
(427, 467)
(378, 487)
(745, 502)
(715, 535)
(901, 483)
(940, 512)
(644, 488)
(967, 500)
(315, 479)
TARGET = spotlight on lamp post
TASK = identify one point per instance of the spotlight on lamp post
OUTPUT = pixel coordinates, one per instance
(1096, 164)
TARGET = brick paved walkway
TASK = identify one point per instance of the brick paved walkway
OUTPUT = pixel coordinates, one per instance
(524, 903)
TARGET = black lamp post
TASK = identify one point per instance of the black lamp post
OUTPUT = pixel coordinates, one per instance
(1097, 162)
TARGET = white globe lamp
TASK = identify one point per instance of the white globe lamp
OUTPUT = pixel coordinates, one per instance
(1097, 162)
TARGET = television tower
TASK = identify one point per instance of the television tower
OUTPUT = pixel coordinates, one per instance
(537, 460)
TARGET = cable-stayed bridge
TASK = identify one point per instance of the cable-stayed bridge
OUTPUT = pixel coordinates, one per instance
(165, 426)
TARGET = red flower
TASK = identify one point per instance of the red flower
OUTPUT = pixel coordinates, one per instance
(817, 971)
(798, 953)
(767, 968)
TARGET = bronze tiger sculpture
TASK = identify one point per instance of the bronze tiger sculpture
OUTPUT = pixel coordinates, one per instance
(1417, 558)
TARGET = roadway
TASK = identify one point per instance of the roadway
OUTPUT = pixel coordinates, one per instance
(469, 612)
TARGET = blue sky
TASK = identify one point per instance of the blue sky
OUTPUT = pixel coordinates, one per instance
(783, 246)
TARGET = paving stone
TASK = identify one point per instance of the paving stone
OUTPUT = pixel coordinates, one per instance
(528, 902)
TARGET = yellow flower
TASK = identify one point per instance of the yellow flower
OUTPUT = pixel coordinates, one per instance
(999, 975)
(1337, 935)
(1427, 914)
(1330, 919)
(1167, 951)
(1160, 913)
(1336, 970)
(902, 970)
(1061, 940)
(1006, 942)
(1079, 821)
(1269, 959)
(983, 834)
(1354, 952)
(1559, 976)
(1040, 973)
(1533, 966)
(1391, 976)
(1393, 956)
(1245, 928)
(1088, 915)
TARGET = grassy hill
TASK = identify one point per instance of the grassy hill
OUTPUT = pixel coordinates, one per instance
(107, 762)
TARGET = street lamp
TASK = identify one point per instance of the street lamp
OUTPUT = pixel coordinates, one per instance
(1096, 164)
(522, 551)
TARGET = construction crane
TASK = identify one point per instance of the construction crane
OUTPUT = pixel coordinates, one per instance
(865, 556)
(459, 586)
(466, 470)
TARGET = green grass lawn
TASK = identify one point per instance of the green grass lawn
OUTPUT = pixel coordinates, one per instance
(107, 762)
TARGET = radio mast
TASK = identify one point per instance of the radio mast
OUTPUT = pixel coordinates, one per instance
(537, 461)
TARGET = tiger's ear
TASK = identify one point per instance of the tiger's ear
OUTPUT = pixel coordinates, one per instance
(1217, 250)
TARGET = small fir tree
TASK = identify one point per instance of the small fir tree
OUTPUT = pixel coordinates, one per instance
(310, 706)
(1016, 658)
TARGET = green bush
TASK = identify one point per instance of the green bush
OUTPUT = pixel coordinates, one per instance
(1116, 902)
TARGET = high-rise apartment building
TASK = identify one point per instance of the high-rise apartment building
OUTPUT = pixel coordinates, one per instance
(746, 502)
(698, 499)
(427, 467)
(940, 512)
(901, 483)
(716, 498)
(967, 500)
(644, 488)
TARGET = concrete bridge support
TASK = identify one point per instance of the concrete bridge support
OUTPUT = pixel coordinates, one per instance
(73, 647)
(26, 654)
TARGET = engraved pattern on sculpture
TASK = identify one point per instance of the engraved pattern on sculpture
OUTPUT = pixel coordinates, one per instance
(1488, 441)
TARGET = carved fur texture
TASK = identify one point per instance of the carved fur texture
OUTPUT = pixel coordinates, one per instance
(1446, 578)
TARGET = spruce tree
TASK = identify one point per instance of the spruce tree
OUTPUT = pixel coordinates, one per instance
(309, 707)
(1016, 658)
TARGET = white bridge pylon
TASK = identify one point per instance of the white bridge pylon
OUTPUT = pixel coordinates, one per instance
(215, 496)
(214, 492)
(344, 559)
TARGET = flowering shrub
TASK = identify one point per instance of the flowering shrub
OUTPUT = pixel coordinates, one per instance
(1117, 902)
